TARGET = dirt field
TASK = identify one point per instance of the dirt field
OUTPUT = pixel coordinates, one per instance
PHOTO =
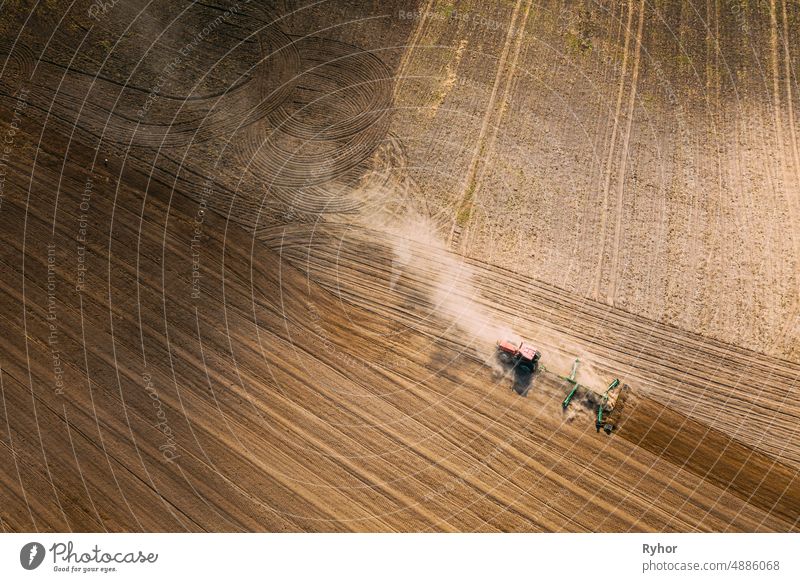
(255, 258)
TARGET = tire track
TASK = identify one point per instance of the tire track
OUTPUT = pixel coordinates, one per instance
(18, 63)
(467, 191)
(487, 149)
(724, 384)
(792, 327)
(612, 284)
(338, 116)
(609, 160)
(173, 121)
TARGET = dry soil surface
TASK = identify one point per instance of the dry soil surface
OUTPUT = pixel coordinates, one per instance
(255, 257)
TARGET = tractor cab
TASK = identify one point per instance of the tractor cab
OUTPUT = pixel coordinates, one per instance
(529, 353)
(522, 355)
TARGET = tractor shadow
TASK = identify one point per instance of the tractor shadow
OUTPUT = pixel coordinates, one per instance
(521, 376)
(523, 379)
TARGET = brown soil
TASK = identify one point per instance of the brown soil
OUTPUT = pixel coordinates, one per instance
(239, 311)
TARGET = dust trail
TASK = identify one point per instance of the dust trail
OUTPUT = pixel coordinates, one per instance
(419, 250)
(419, 253)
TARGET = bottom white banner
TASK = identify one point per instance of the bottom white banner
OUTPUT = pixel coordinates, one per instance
(351, 557)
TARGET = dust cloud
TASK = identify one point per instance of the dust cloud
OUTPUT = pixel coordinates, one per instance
(420, 251)
(449, 282)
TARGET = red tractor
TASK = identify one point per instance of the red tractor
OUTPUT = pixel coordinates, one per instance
(523, 356)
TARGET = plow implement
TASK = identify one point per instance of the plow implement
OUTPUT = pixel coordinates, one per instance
(606, 405)
(575, 385)
(610, 406)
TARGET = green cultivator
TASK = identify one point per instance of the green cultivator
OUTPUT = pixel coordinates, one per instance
(610, 401)
(574, 383)
(608, 424)
(525, 358)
